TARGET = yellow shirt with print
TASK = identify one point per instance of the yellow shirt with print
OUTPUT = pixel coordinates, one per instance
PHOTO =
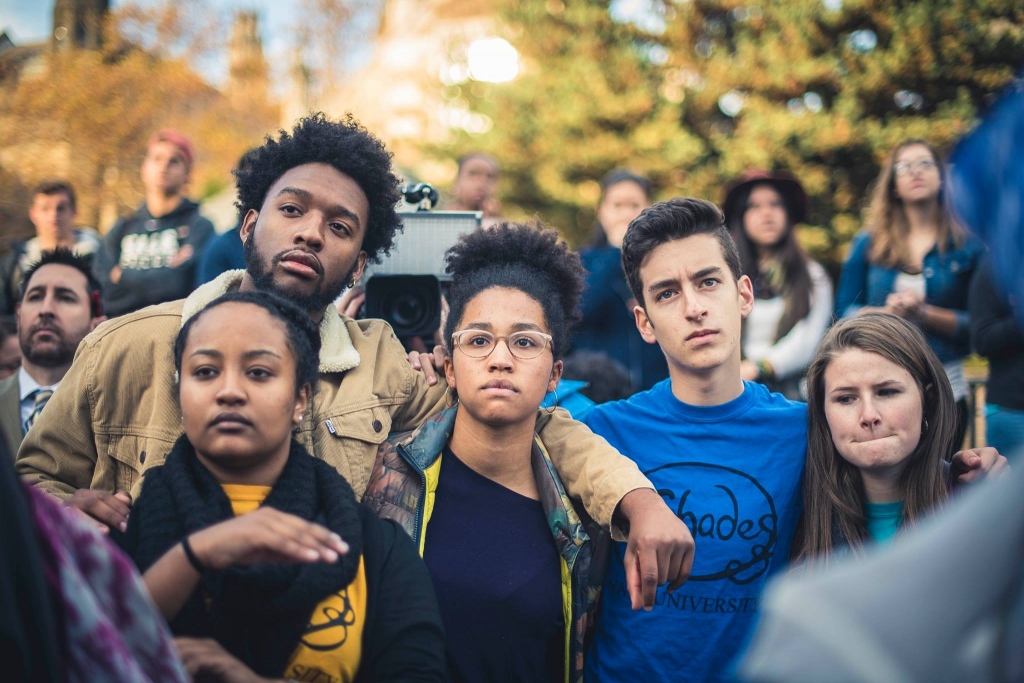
(330, 649)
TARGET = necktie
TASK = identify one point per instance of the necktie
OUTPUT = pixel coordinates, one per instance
(42, 396)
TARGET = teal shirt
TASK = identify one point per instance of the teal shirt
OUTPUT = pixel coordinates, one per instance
(884, 520)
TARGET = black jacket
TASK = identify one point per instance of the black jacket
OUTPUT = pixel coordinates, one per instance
(144, 247)
(996, 334)
(402, 638)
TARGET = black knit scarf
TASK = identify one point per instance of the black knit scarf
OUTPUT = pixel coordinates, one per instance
(256, 613)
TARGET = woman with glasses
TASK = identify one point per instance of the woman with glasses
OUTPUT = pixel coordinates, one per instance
(915, 261)
(509, 554)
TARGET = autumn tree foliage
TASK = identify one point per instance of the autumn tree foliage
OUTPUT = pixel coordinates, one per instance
(87, 115)
(694, 92)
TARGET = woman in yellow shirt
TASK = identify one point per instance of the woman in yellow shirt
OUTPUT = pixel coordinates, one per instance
(258, 554)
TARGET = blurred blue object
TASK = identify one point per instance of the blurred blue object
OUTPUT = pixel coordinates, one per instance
(569, 395)
(987, 192)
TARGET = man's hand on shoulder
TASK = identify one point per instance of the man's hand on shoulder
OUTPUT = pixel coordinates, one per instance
(109, 509)
(659, 548)
(430, 364)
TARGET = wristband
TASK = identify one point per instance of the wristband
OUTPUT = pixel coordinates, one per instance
(766, 370)
(191, 557)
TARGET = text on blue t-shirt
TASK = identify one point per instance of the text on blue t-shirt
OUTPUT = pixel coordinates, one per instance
(732, 473)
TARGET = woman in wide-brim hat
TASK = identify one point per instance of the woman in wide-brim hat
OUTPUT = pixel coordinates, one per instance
(794, 293)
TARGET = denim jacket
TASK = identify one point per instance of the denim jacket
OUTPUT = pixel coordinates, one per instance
(947, 277)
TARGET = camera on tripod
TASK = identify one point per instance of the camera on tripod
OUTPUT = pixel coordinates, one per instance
(405, 288)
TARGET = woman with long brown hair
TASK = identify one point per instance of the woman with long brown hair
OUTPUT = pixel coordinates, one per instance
(794, 293)
(881, 431)
(915, 261)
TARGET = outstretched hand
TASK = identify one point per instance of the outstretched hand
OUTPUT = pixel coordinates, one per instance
(266, 535)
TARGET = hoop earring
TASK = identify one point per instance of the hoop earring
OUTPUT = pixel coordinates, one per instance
(551, 410)
(448, 393)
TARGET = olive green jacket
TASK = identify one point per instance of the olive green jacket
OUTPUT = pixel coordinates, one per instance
(116, 414)
(10, 413)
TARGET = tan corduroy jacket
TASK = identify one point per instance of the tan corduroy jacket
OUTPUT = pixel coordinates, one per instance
(116, 414)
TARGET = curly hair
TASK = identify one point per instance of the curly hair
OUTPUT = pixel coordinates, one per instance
(302, 333)
(346, 146)
(530, 258)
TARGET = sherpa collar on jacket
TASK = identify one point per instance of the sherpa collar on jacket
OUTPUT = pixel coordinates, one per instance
(337, 354)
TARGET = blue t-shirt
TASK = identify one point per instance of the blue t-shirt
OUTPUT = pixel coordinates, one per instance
(497, 575)
(883, 520)
(732, 473)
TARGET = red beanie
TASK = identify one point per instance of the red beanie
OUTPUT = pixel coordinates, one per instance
(176, 138)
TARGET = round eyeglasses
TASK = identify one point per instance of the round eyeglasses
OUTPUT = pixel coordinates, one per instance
(905, 167)
(480, 343)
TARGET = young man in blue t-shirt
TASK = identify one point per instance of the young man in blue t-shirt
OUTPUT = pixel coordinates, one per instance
(726, 455)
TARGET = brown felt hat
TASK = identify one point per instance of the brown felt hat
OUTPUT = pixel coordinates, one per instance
(786, 184)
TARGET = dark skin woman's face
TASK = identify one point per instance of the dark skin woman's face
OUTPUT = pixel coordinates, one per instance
(238, 398)
(502, 389)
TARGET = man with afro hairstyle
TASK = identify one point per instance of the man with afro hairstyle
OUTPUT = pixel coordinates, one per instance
(316, 205)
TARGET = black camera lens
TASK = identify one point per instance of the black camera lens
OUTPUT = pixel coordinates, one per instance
(407, 309)
(411, 304)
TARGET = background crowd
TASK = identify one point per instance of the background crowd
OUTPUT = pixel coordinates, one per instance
(238, 533)
(911, 259)
(724, 432)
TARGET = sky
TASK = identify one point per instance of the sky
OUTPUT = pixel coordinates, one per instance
(28, 21)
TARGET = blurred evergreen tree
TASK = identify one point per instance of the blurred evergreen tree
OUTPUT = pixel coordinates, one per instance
(693, 92)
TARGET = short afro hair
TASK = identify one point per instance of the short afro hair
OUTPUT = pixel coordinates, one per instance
(346, 146)
(520, 256)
